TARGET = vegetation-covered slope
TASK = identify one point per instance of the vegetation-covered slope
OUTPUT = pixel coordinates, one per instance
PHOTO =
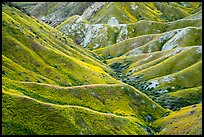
(130, 12)
(101, 12)
(53, 13)
(95, 36)
(27, 116)
(106, 68)
(118, 99)
(181, 98)
(37, 47)
(156, 63)
(186, 121)
(163, 72)
(36, 58)
(86, 34)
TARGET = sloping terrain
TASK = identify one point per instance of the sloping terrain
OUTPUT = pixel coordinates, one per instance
(183, 122)
(131, 12)
(101, 12)
(114, 105)
(102, 68)
(88, 35)
(156, 70)
(105, 23)
(181, 98)
(95, 36)
(156, 63)
(53, 13)
(100, 97)
(46, 53)
(36, 58)
(26, 116)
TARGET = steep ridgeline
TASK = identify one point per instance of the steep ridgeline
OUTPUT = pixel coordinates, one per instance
(88, 35)
(52, 86)
(53, 13)
(148, 54)
(41, 53)
(94, 35)
(100, 12)
(101, 24)
(128, 110)
(131, 12)
(160, 64)
(142, 76)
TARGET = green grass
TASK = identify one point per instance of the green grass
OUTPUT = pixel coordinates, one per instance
(175, 63)
(181, 98)
(186, 93)
(130, 12)
(195, 15)
(53, 86)
(134, 27)
(72, 20)
(188, 77)
(55, 13)
(153, 42)
(125, 12)
(19, 118)
(187, 121)
(148, 60)
(47, 55)
(89, 35)
(189, 36)
(138, 28)
(91, 109)
(119, 49)
(24, 4)
(119, 99)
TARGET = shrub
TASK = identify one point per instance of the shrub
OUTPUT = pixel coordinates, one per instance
(37, 36)
(27, 79)
(77, 40)
(38, 81)
(56, 66)
(31, 37)
(4, 23)
(148, 118)
(66, 84)
(104, 61)
(12, 22)
(116, 65)
(3, 72)
(109, 56)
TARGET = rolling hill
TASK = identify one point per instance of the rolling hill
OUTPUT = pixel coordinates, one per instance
(183, 122)
(101, 12)
(102, 68)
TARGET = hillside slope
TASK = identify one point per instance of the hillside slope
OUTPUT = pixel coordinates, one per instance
(46, 69)
(102, 12)
(183, 122)
(131, 12)
(46, 53)
(97, 36)
(100, 68)
(156, 62)
(53, 13)
(26, 116)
